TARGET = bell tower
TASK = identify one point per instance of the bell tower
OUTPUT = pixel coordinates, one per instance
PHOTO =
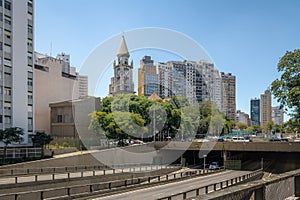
(122, 82)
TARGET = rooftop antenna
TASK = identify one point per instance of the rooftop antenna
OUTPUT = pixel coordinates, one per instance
(51, 49)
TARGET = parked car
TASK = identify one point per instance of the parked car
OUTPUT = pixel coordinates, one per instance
(248, 139)
(274, 140)
(221, 140)
(214, 165)
(239, 139)
(284, 140)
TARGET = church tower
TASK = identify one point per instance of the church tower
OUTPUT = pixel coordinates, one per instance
(122, 82)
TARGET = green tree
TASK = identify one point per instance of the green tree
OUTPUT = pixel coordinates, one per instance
(41, 139)
(286, 89)
(269, 126)
(9, 136)
(241, 126)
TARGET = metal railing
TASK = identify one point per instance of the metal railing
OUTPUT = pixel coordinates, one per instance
(212, 187)
(48, 170)
(47, 174)
(280, 186)
(105, 187)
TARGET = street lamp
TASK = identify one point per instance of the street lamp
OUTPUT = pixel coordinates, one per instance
(204, 156)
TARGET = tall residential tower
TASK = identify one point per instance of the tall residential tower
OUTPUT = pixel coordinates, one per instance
(16, 65)
(147, 77)
(255, 111)
(265, 108)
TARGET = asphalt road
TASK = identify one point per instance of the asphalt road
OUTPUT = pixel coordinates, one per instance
(174, 188)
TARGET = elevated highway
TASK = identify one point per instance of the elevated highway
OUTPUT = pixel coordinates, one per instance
(231, 146)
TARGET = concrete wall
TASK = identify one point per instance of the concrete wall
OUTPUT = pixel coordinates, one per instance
(50, 87)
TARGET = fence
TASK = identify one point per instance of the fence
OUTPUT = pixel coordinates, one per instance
(279, 187)
(46, 174)
(104, 187)
(18, 153)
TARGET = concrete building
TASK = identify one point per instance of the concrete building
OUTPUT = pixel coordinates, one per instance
(122, 82)
(165, 78)
(265, 108)
(228, 95)
(52, 84)
(277, 115)
(195, 81)
(255, 111)
(16, 66)
(147, 77)
(243, 117)
(82, 85)
(212, 83)
(64, 114)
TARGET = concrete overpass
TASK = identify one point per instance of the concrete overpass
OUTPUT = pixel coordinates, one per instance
(231, 146)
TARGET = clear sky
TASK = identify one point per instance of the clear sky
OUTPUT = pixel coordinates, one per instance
(246, 38)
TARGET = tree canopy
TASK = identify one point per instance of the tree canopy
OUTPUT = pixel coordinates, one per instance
(286, 89)
(9, 136)
(134, 116)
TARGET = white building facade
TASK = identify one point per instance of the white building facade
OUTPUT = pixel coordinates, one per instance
(16, 66)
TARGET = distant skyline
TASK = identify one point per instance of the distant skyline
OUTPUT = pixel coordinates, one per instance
(245, 38)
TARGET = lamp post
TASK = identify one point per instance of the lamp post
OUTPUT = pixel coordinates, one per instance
(154, 126)
(204, 156)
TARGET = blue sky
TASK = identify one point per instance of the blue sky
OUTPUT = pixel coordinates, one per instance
(246, 38)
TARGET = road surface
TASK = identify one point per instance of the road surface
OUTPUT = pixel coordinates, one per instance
(174, 188)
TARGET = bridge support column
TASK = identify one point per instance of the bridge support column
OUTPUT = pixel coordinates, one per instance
(224, 155)
(259, 194)
(297, 186)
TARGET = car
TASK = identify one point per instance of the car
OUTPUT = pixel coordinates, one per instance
(239, 139)
(284, 140)
(221, 140)
(248, 139)
(274, 140)
(214, 165)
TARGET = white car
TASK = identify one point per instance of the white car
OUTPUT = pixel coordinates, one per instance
(239, 139)
(213, 165)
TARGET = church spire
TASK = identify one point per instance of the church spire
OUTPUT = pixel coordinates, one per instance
(123, 50)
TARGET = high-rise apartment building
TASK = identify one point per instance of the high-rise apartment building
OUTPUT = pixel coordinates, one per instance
(195, 81)
(122, 82)
(228, 95)
(277, 115)
(165, 79)
(255, 111)
(147, 77)
(212, 83)
(243, 118)
(265, 108)
(16, 65)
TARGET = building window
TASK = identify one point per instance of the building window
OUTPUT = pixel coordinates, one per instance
(7, 91)
(30, 108)
(7, 48)
(29, 15)
(30, 82)
(59, 118)
(1, 119)
(30, 121)
(7, 34)
(7, 5)
(30, 96)
(7, 105)
(7, 20)
(7, 120)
